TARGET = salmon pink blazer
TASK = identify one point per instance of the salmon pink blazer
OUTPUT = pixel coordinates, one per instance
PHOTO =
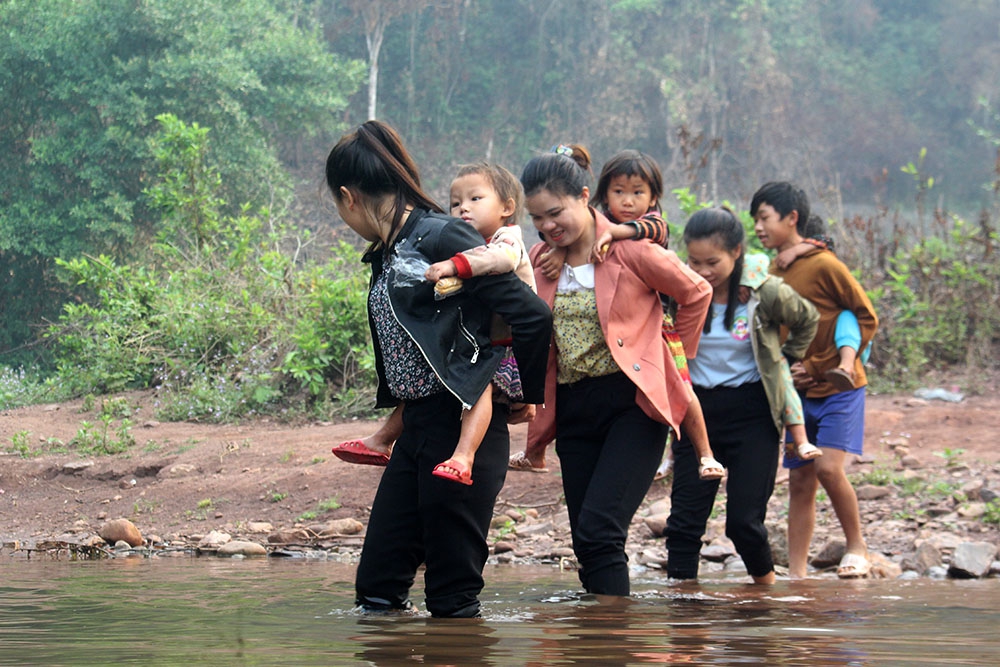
(627, 286)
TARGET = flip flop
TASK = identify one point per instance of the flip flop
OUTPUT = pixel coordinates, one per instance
(840, 379)
(355, 451)
(453, 470)
(853, 566)
(709, 468)
(808, 451)
(520, 463)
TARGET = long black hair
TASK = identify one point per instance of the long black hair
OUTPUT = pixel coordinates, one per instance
(722, 226)
(373, 162)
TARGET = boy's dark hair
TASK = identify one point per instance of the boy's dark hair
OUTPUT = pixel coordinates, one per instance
(784, 197)
(722, 226)
(629, 163)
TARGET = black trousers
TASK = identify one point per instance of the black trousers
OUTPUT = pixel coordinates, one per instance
(745, 440)
(419, 518)
(608, 450)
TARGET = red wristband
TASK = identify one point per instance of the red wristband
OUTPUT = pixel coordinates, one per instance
(462, 265)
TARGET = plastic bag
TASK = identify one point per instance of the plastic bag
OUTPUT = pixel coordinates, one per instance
(409, 266)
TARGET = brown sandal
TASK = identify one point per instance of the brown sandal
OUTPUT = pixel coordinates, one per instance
(840, 379)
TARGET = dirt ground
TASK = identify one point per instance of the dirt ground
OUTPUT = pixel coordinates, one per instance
(182, 480)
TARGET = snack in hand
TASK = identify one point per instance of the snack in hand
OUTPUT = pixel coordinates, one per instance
(447, 286)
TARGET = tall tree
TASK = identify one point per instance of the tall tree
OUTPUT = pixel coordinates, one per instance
(376, 15)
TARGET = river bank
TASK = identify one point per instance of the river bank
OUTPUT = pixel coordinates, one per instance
(925, 484)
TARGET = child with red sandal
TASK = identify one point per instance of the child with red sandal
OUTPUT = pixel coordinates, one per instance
(489, 198)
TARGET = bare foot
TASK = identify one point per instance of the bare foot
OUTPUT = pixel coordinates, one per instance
(377, 445)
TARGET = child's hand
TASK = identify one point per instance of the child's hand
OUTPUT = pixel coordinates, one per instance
(439, 270)
(785, 258)
(601, 247)
(551, 263)
(744, 294)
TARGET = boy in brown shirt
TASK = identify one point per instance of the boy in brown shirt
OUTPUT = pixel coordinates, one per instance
(834, 418)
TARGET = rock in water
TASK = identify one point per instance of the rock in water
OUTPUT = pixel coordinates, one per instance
(121, 529)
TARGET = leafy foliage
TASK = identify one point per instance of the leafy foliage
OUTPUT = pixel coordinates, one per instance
(226, 320)
(81, 82)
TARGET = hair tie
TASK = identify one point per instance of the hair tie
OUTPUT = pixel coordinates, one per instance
(562, 149)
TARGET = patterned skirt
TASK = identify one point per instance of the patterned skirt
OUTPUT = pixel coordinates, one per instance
(507, 378)
(675, 347)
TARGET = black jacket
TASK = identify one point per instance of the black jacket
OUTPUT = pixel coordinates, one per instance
(454, 333)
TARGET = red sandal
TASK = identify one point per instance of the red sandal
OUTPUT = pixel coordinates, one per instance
(454, 471)
(355, 451)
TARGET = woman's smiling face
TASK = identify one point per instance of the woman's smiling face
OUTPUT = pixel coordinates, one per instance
(561, 218)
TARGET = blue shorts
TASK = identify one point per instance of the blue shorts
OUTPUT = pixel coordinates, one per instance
(835, 422)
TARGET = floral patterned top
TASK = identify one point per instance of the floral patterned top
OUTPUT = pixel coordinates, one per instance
(407, 373)
(583, 352)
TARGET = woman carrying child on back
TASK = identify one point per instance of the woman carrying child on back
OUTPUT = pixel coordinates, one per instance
(435, 357)
(628, 192)
(490, 199)
(612, 390)
(743, 380)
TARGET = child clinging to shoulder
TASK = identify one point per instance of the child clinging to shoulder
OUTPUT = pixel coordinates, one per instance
(628, 192)
(490, 199)
(847, 334)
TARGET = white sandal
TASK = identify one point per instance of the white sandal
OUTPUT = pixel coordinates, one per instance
(709, 468)
(808, 451)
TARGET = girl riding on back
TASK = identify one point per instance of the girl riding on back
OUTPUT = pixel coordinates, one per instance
(628, 192)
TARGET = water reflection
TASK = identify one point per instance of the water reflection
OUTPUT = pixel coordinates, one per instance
(206, 610)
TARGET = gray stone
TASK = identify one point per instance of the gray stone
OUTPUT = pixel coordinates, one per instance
(73, 467)
(661, 506)
(717, 552)
(938, 572)
(735, 565)
(973, 490)
(526, 529)
(972, 510)
(777, 534)
(657, 524)
(988, 495)
(927, 556)
(214, 540)
(871, 492)
(972, 559)
(941, 539)
(830, 554)
(937, 510)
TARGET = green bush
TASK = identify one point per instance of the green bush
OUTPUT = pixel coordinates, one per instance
(220, 313)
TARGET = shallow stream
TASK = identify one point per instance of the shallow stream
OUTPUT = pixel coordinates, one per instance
(187, 610)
